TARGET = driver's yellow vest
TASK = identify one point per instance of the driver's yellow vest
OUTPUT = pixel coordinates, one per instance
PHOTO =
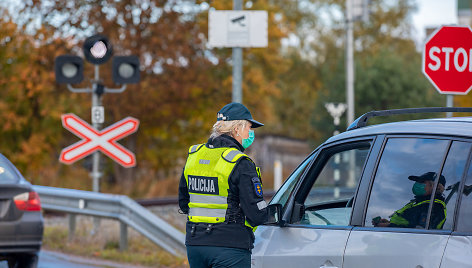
(207, 172)
(398, 219)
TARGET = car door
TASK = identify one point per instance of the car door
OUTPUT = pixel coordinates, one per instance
(458, 251)
(317, 210)
(408, 237)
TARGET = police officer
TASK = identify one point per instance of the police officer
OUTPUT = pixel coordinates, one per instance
(221, 191)
(414, 214)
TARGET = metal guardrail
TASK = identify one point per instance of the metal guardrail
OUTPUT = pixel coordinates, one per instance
(118, 207)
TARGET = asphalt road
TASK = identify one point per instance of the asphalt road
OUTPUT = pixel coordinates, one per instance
(50, 259)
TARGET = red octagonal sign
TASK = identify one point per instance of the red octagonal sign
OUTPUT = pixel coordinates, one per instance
(447, 59)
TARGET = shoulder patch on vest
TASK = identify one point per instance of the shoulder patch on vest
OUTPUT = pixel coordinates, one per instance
(195, 148)
(257, 186)
(233, 155)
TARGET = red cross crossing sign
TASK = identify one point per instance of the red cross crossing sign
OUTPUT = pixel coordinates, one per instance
(104, 140)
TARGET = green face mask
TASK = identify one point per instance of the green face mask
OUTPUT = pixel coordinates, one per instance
(418, 189)
(247, 142)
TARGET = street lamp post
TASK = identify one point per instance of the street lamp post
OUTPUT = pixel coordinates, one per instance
(336, 110)
(349, 63)
(355, 10)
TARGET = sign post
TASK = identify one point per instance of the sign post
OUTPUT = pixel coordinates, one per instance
(447, 61)
(237, 29)
(240, 28)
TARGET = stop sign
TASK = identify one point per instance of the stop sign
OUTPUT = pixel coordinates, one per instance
(447, 59)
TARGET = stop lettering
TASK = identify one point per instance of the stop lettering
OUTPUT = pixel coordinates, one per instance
(447, 60)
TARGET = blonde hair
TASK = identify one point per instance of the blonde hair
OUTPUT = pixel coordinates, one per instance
(227, 127)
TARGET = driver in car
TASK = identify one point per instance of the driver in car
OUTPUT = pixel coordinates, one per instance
(414, 214)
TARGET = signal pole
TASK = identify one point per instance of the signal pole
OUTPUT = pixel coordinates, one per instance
(69, 70)
(96, 102)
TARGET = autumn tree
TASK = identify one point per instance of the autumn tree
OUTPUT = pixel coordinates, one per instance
(184, 82)
(387, 65)
(30, 103)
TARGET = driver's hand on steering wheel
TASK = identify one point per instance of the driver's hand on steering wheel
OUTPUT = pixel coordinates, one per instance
(381, 223)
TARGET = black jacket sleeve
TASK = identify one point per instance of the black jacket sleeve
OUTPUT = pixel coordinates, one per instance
(251, 201)
(184, 197)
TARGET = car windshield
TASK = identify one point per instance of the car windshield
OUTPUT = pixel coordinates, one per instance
(282, 195)
(8, 174)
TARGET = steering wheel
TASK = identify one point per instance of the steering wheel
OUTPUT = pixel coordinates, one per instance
(349, 203)
(322, 218)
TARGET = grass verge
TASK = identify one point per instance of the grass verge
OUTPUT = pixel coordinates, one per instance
(105, 244)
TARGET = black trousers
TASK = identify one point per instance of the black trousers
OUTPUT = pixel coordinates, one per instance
(218, 257)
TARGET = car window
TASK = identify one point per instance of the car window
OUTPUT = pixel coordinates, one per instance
(453, 171)
(464, 224)
(329, 200)
(7, 172)
(401, 190)
(282, 195)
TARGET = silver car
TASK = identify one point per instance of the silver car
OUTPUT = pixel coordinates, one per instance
(21, 221)
(365, 198)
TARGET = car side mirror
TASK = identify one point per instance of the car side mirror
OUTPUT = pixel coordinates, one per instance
(275, 214)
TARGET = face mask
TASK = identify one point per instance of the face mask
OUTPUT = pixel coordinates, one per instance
(247, 142)
(419, 189)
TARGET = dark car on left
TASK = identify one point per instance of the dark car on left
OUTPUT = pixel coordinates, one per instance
(21, 221)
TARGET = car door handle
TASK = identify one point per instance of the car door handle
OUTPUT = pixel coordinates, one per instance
(328, 264)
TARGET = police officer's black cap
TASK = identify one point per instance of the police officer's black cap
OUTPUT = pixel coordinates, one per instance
(236, 111)
(428, 176)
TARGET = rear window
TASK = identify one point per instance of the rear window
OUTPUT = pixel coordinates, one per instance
(394, 200)
(8, 173)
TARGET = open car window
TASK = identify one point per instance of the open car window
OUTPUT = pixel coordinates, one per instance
(284, 193)
(331, 186)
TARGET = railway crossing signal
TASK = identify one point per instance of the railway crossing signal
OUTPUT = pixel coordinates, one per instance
(99, 140)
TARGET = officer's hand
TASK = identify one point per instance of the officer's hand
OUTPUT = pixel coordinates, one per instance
(383, 223)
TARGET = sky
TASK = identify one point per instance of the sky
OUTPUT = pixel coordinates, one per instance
(433, 13)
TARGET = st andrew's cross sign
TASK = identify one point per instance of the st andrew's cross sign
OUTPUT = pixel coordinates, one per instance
(104, 140)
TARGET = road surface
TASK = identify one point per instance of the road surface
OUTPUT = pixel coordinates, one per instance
(51, 259)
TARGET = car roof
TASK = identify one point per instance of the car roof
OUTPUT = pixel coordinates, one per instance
(453, 126)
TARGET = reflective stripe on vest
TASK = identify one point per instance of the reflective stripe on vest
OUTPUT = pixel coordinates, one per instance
(259, 173)
(207, 172)
(208, 212)
(441, 223)
(196, 198)
(233, 155)
(250, 226)
(398, 219)
(194, 148)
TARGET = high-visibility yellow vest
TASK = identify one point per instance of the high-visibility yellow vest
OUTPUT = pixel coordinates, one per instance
(207, 172)
(397, 217)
